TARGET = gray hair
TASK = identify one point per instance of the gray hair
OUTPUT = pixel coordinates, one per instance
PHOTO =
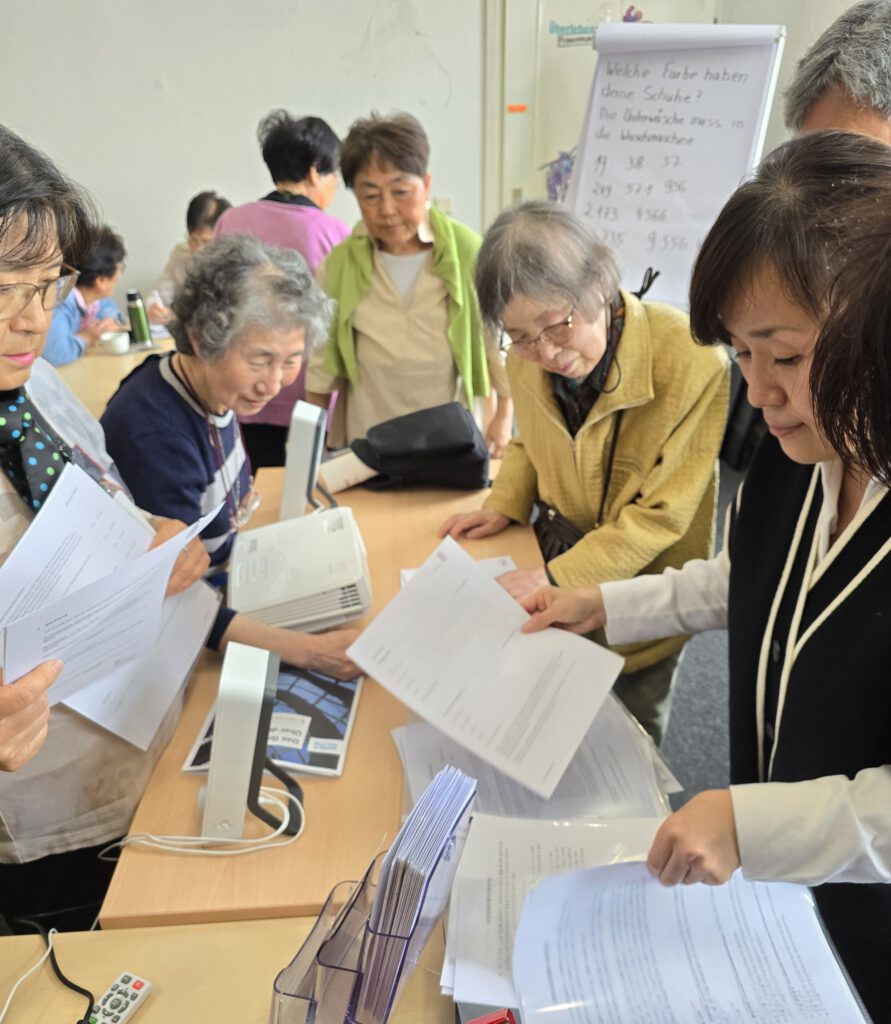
(853, 54)
(238, 282)
(543, 251)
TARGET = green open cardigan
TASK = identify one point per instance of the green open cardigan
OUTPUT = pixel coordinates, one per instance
(348, 280)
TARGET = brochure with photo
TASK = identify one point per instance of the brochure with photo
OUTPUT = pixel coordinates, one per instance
(310, 728)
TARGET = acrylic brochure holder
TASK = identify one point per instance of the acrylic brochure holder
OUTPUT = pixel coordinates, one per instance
(347, 972)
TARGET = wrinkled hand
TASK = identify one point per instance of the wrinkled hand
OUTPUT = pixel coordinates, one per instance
(326, 653)
(520, 583)
(579, 610)
(24, 715)
(91, 333)
(698, 843)
(473, 525)
(192, 562)
(498, 434)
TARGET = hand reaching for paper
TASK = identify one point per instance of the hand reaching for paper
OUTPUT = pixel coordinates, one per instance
(192, 562)
(579, 610)
(698, 843)
(24, 715)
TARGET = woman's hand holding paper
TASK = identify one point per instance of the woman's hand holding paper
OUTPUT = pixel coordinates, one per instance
(579, 610)
(24, 715)
(193, 559)
(698, 843)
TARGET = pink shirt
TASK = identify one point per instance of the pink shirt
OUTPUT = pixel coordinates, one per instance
(309, 230)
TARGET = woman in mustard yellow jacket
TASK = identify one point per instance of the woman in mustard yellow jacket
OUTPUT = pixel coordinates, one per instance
(620, 418)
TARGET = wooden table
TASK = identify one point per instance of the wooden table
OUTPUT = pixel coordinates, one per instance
(220, 973)
(348, 820)
(94, 378)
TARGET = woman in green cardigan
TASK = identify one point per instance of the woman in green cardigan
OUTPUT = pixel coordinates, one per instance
(407, 334)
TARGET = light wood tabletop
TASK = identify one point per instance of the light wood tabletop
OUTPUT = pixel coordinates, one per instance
(94, 377)
(348, 820)
(200, 973)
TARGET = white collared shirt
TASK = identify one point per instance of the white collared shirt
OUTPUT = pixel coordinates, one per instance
(809, 832)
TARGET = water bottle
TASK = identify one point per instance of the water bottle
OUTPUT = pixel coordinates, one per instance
(140, 333)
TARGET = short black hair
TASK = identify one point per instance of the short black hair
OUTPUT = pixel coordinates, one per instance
(205, 210)
(103, 257)
(291, 147)
(54, 210)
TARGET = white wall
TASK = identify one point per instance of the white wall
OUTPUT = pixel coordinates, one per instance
(148, 103)
(805, 20)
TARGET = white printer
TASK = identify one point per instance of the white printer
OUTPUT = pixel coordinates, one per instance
(309, 573)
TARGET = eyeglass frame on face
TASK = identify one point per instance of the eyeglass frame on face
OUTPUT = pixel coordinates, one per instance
(564, 326)
(64, 285)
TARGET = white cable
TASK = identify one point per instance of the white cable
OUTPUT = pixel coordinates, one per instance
(197, 845)
(30, 971)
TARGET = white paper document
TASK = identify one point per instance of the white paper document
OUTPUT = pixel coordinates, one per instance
(503, 859)
(449, 646)
(493, 566)
(612, 946)
(614, 773)
(413, 886)
(82, 586)
(132, 702)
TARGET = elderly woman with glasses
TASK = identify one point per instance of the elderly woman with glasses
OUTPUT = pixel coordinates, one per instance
(407, 335)
(244, 316)
(75, 786)
(620, 419)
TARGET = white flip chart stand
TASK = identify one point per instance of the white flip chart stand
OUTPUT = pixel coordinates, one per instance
(676, 119)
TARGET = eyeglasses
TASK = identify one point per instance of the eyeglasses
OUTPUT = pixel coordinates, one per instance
(559, 335)
(15, 298)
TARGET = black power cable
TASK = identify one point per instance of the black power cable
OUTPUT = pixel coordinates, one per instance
(37, 926)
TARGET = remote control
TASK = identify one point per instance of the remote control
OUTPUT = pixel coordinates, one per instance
(122, 999)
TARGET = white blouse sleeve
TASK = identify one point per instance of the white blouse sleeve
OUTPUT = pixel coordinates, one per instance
(828, 829)
(678, 601)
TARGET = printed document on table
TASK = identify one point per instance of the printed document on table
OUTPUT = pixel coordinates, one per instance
(503, 859)
(449, 646)
(611, 945)
(613, 774)
(493, 566)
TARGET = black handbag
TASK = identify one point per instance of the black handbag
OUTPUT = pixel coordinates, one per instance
(438, 447)
(554, 532)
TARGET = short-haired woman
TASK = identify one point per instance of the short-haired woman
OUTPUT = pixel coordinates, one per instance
(302, 155)
(620, 419)
(202, 214)
(75, 785)
(89, 311)
(793, 275)
(407, 333)
(244, 317)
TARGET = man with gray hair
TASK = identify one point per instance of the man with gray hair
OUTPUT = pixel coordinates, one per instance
(844, 79)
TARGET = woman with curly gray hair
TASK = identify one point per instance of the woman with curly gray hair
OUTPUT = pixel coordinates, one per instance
(245, 317)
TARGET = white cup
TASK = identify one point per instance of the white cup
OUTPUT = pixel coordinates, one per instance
(116, 342)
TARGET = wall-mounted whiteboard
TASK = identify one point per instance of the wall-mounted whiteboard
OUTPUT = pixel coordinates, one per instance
(676, 119)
